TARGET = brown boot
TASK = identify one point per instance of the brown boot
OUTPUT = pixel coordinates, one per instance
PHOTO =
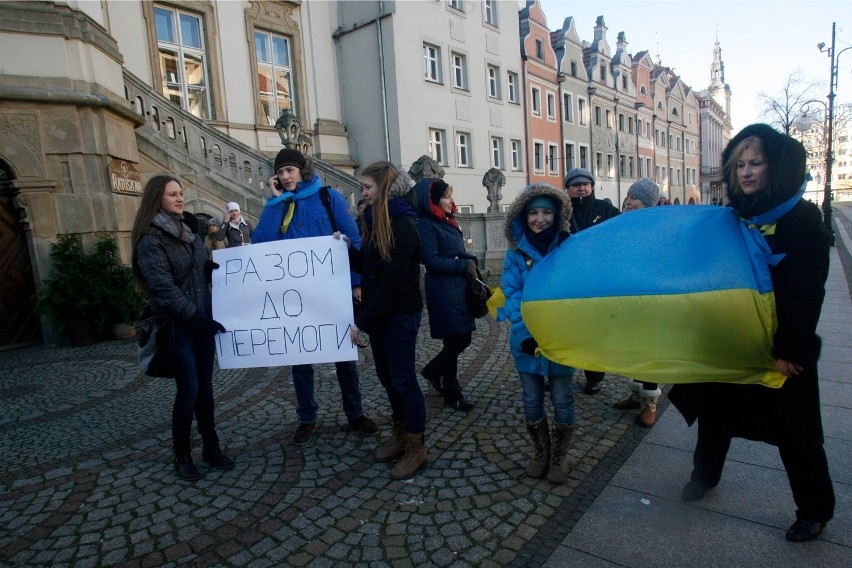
(414, 459)
(394, 446)
(632, 402)
(540, 434)
(648, 415)
(559, 467)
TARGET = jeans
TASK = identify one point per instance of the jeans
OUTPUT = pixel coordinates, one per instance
(446, 364)
(393, 345)
(194, 379)
(561, 396)
(350, 391)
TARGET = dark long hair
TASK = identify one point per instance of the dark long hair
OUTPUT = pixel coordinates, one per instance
(152, 197)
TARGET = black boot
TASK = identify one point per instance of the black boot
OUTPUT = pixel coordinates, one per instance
(214, 456)
(185, 468)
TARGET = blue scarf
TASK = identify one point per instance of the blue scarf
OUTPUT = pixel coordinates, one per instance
(304, 189)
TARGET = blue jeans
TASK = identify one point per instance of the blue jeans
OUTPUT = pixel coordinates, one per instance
(561, 395)
(393, 344)
(194, 379)
(350, 391)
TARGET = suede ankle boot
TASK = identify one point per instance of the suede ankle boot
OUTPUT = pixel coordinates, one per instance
(394, 446)
(414, 459)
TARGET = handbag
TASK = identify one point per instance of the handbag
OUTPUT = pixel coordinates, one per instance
(157, 344)
(477, 296)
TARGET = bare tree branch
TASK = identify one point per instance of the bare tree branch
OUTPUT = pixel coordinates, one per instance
(784, 107)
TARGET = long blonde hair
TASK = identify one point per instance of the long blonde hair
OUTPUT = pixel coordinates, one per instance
(753, 143)
(152, 197)
(384, 174)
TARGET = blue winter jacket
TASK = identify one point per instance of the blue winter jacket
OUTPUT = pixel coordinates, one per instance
(442, 253)
(309, 220)
(515, 271)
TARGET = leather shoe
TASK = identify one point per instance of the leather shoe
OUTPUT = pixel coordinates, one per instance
(592, 387)
(693, 491)
(461, 405)
(185, 468)
(216, 458)
(803, 530)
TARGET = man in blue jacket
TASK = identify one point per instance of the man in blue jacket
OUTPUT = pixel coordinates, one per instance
(296, 210)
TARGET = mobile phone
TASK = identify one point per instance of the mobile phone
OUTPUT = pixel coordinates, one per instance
(278, 185)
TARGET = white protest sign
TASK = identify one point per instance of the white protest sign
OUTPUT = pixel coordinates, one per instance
(283, 303)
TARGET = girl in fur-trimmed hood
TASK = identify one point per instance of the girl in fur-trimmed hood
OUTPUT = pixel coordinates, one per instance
(536, 223)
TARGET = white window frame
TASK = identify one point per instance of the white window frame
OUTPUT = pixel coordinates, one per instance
(463, 150)
(568, 107)
(570, 155)
(496, 145)
(458, 67)
(552, 159)
(438, 145)
(275, 72)
(513, 86)
(489, 12)
(517, 155)
(535, 100)
(583, 156)
(492, 76)
(582, 106)
(551, 106)
(538, 156)
(175, 81)
(432, 63)
(456, 5)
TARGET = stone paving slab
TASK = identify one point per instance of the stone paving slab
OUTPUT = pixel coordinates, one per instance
(86, 477)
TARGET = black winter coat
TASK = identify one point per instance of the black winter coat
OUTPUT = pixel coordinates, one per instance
(392, 288)
(587, 212)
(792, 412)
(446, 283)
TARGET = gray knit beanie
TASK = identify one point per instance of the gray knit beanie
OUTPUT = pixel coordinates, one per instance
(401, 185)
(645, 190)
(579, 175)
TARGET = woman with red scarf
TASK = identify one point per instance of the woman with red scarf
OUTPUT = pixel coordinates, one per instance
(449, 269)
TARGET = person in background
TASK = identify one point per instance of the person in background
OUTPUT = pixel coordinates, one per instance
(234, 230)
(765, 175)
(389, 264)
(211, 243)
(536, 223)
(449, 271)
(170, 264)
(587, 211)
(296, 211)
(643, 396)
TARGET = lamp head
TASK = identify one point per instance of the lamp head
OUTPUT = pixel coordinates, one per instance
(821, 45)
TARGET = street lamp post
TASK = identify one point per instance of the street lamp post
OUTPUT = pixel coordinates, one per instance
(829, 153)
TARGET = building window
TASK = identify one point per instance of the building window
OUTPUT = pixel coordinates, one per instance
(183, 60)
(512, 83)
(458, 62)
(599, 164)
(640, 166)
(610, 166)
(552, 159)
(620, 122)
(517, 163)
(568, 107)
(463, 149)
(538, 154)
(573, 68)
(622, 170)
(630, 125)
(432, 63)
(493, 82)
(597, 115)
(603, 73)
(456, 5)
(608, 118)
(489, 8)
(648, 165)
(679, 178)
(536, 101)
(671, 176)
(539, 48)
(569, 156)
(624, 82)
(437, 139)
(274, 74)
(643, 90)
(551, 106)
(584, 158)
(581, 111)
(497, 152)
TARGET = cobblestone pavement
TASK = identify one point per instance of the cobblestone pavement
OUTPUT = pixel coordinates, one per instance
(86, 476)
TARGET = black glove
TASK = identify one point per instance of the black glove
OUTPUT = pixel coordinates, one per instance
(470, 270)
(528, 346)
(209, 267)
(206, 324)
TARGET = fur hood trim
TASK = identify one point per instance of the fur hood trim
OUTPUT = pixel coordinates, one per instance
(515, 222)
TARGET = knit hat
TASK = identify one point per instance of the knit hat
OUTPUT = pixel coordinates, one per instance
(232, 206)
(437, 191)
(645, 190)
(543, 202)
(212, 222)
(579, 175)
(289, 157)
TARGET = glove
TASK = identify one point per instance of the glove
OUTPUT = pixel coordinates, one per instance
(470, 271)
(528, 346)
(206, 324)
(209, 267)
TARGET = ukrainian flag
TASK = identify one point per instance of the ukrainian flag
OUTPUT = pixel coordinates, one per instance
(666, 294)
